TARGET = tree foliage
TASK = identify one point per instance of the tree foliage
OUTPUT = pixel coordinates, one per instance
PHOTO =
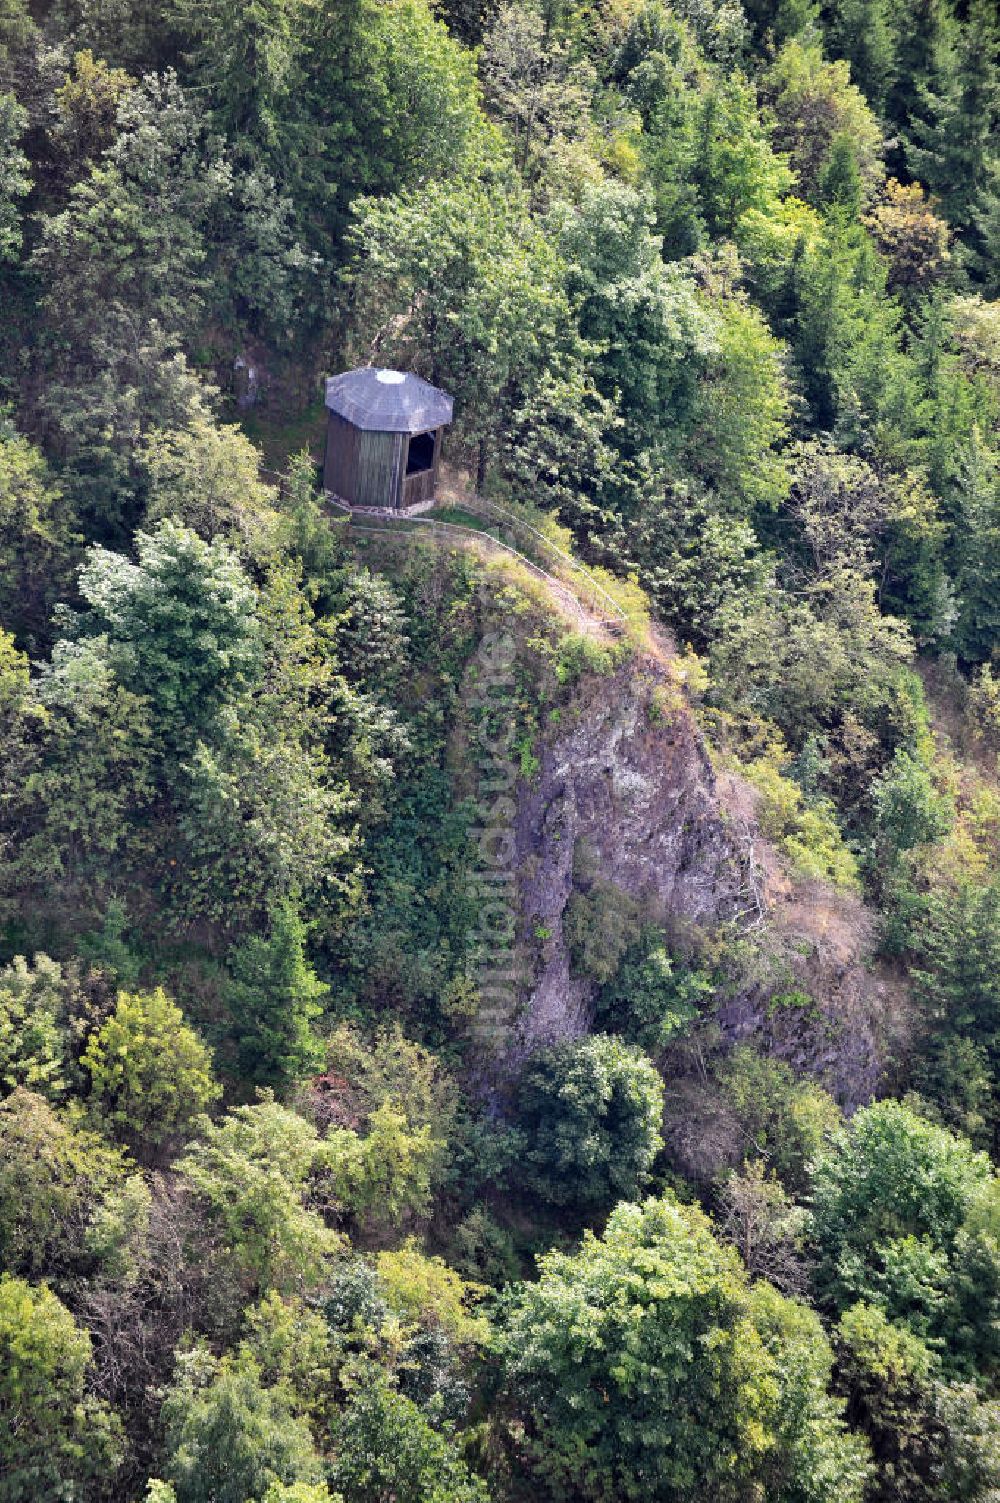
(253, 1172)
(150, 1074)
(903, 1217)
(709, 1385)
(56, 1438)
(713, 287)
(591, 1113)
(230, 1439)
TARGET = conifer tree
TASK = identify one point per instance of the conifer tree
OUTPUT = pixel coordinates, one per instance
(923, 30)
(951, 129)
(861, 31)
(275, 997)
(978, 630)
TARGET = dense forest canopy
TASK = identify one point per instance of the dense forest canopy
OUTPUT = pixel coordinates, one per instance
(698, 1202)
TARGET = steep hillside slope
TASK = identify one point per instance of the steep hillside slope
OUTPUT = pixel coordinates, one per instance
(618, 803)
(631, 795)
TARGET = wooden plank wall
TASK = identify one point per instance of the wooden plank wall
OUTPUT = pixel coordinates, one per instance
(340, 466)
(369, 469)
(418, 487)
(380, 462)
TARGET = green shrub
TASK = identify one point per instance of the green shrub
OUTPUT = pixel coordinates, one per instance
(653, 999)
(600, 925)
(783, 1118)
(591, 1111)
(578, 654)
(150, 1074)
(807, 833)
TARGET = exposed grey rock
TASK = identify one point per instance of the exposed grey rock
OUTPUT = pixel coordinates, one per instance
(633, 786)
(638, 792)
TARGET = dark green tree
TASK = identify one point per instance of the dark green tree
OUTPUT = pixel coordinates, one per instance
(654, 997)
(275, 997)
(458, 280)
(847, 340)
(80, 758)
(180, 626)
(862, 32)
(923, 32)
(986, 218)
(781, 18)
(591, 1112)
(229, 1438)
(14, 179)
(385, 1446)
(909, 810)
(35, 538)
(956, 967)
(977, 488)
(124, 276)
(887, 1376)
(931, 1442)
(651, 332)
(390, 74)
(905, 1216)
(371, 632)
(953, 125)
(245, 58)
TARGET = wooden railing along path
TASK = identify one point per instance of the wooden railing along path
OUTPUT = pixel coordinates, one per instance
(599, 606)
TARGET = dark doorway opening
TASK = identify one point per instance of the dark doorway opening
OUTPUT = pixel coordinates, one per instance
(420, 455)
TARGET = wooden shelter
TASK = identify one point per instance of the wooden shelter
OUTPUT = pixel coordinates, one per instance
(383, 438)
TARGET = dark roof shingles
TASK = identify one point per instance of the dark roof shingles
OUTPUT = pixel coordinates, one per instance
(388, 401)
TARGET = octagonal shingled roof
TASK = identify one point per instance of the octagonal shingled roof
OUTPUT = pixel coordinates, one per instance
(388, 401)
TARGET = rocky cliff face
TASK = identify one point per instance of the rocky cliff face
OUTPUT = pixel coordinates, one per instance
(631, 783)
(822, 1003)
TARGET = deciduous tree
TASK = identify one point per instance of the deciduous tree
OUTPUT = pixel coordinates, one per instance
(180, 626)
(55, 1439)
(150, 1074)
(71, 1207)
(457, 281)
(32, 1041)
(814, 102)
(643, 1367)
(230, 1439)
(903, 1211)
(386, 1447)
(591, 1113)
(207, 476)
(253, 1172)
(35, 538)
(14, 179)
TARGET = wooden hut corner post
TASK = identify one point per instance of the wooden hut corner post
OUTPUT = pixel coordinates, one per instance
(383, 439)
